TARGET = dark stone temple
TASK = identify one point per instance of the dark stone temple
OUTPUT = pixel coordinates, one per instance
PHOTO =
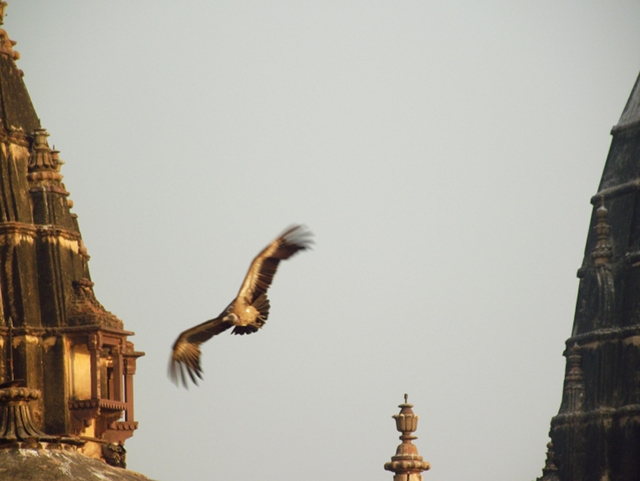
(596, 434)
(66, 364)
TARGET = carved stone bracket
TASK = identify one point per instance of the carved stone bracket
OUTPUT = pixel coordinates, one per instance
(120, 431)
(83, 412)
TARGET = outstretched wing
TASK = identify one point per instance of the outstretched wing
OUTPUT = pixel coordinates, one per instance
(186, 349)
(263, 268)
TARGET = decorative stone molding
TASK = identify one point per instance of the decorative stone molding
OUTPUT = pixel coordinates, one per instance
(16, 423)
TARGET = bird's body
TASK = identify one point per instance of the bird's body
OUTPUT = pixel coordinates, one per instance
(247, 312)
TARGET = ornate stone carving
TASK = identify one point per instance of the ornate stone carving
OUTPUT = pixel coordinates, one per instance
(16, 423)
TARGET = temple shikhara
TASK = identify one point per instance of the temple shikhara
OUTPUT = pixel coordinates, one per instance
(596, 434)
(66, 363)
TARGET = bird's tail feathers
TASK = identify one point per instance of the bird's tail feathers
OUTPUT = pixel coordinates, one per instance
(262, 306)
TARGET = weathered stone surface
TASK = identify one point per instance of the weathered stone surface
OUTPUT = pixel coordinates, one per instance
(16, 112)
(58, 465)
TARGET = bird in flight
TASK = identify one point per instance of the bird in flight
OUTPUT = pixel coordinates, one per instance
(246, 313)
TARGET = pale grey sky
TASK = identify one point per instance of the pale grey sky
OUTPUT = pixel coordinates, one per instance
(444, 154)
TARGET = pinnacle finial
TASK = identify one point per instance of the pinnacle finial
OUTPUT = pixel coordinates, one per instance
(6, 44)
(407, 464)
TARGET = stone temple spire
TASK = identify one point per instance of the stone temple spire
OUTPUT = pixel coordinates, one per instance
(74, 356)
(596, 434)
(407, 464)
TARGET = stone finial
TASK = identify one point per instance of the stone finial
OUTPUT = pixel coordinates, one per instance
(6, 44)
(602, 251)
(40, 157)
(56, 160)
(407, 464)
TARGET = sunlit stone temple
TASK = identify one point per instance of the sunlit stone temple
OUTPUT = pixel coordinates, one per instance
(66, 363)
(596, 434)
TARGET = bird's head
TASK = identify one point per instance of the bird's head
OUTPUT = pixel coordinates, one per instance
(231, 317)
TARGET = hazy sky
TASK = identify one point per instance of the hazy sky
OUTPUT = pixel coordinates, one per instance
(443, 152)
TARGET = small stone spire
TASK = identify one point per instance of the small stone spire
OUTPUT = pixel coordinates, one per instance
(407, 464)
(601, 255)
(573, 398)
(44, 164)
(602, 251)
(550, 470)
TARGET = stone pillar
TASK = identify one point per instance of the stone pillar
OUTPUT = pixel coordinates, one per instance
(407, 464)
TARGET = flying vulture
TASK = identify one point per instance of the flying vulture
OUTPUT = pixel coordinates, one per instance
(246, 313)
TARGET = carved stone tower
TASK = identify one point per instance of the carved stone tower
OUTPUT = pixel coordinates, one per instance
(54, 334)
(596, 434)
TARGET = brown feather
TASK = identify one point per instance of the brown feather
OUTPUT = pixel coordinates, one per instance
(264, 266)
(186, 349)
